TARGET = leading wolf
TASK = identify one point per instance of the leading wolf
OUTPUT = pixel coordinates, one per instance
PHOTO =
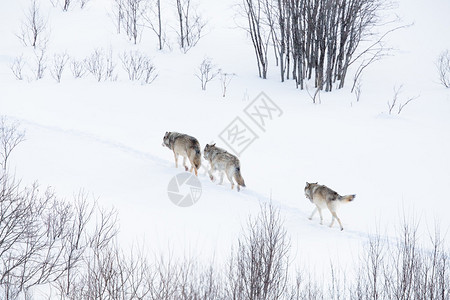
(223, 161)
(322, 196)
(186, 146)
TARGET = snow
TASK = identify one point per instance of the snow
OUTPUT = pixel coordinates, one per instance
(105, 138)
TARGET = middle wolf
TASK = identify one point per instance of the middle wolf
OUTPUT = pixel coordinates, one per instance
(223, 161)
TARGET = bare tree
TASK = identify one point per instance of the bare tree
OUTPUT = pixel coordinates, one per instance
(206, 72)
(59, 63)
(259, 33)
(154, 22)
(443, 67)
(134, 14)
(66, 4)
(321, 39)
(34, 27)
(191, 25)
(119, 14)
(17, 67)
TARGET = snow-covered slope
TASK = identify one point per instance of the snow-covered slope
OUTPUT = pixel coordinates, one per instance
(105, 138)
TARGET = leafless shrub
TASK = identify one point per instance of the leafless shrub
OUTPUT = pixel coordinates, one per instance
(259, 267)
(314, 97)
(138, 67)
(17, 67)
(40, 63)
(443, 66)
(190, 25)
(225, 79)
(34, 27)
(101, 66)
(78, 68)
(394, 102)
(59, 63)
(10, 138)
(206, 72)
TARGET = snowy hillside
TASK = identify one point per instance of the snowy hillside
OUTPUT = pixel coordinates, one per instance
(105, 137)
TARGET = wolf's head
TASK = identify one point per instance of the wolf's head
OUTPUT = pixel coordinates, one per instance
(308, 190)
(208, 150)
(166, 140)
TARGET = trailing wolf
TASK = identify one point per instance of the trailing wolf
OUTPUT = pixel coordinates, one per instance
(322, 196)
(186, 146)
(224, 162)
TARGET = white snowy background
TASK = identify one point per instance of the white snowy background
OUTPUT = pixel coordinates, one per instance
(105, 137)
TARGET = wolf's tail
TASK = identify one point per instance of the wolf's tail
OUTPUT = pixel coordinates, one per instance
(347, 198)
(238, 177)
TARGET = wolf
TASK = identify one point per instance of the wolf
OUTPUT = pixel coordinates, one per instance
(322, 196)
(224, 162)
(186, 146)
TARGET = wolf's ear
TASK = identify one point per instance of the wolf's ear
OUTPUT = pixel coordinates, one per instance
(307, 183)
(213, 145)
(316, 183)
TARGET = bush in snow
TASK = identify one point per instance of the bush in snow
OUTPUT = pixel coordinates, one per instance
(101, 65)
(40, 63)
(443, 66)
(138, 66)
(206, 72)
(59, 63)
(17, 67)
(78, 68)
(392, 104)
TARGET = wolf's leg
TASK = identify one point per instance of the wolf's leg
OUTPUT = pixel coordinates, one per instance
(210, 171)
(332, 220)
(184, 164)
(320, 213)
(176, 159)
(337, 218)
(313, 212)
(221, 178)
(230, 178)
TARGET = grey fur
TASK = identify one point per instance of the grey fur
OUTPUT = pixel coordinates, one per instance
(224, 162)
(186, 146)
(322, 196)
